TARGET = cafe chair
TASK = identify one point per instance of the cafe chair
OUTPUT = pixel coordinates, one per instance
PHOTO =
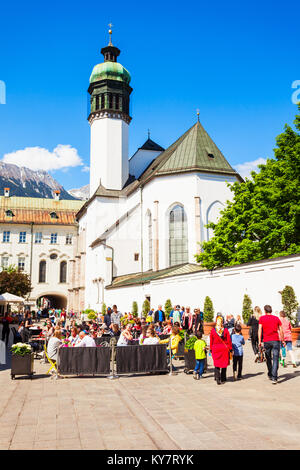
(53, 363)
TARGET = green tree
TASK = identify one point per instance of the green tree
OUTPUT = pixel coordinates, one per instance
(15, 282)
(134, 309)
(146, 307)
(103, 309)
(263, 219)
(290, 304)
(168, 308)
(208, 310)
(247, 308)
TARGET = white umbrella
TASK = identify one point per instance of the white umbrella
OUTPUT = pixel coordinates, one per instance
(7, 297)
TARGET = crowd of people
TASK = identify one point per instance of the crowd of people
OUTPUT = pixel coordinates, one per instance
(270, 335)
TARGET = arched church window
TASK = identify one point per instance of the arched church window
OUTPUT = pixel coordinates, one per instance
(178, 240)
(97, 102)
(117, 101)
(110, 101)
(102, 102)
(63, 272)
(42, 271)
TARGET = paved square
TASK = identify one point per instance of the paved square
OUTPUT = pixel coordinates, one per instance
(152, 411)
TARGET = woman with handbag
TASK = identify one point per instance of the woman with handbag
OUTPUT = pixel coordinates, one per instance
(221, 349)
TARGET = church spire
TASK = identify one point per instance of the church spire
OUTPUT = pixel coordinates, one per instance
(110, 52)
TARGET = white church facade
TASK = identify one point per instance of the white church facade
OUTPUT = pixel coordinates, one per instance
(147, 213)
(146, 216)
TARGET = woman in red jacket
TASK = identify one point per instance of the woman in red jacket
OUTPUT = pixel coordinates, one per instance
(220, 347)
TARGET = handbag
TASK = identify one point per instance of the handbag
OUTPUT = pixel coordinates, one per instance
(230, 352)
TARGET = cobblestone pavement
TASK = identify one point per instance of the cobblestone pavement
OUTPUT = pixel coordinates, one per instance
(151, 411)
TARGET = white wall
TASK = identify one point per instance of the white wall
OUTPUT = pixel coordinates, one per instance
(262, 281)
(108, 153)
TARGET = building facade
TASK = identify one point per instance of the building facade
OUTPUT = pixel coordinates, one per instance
(39, 236)
(148, 213)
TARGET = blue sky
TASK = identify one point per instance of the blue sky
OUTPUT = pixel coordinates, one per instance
(235, 61)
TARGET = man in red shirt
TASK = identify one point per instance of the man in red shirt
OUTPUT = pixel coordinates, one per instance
(269, 325)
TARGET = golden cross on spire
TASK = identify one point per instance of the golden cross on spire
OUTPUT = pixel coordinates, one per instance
(198, 112)
(110, 25)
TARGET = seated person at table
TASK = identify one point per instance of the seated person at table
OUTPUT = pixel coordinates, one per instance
(168, 328)
(115, 330)
(143, 334)
(175, 340)
(85, 340)
(48, 330)
(125, 336)
(73, 338)
(151, 337)
(53, 345)
(159, 327)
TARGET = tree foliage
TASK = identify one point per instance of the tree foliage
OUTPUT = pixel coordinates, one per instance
(290, 304)
(263, 219)
(103, 309)
(15, 282)
(208, 310)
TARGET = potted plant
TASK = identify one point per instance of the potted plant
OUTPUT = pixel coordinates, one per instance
(134, 309)
(21, 360)
(168, 308)
(189, 354)
(290, 307)
(208, 315)
(246, 314)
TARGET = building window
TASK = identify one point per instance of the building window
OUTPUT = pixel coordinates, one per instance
(63, 272)
(136, 256)
(69, 239)
(102, 102)
(53, 239)
(9, 213)
(22, 237)
(4, 262)
(6, 237)
(42, 271)
(178, 241)
(38, 237)
(53, 215)
(21, 264)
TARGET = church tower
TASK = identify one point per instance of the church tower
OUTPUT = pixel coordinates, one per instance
(109, 121)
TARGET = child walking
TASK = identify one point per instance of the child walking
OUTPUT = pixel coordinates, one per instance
(200, 355)
(237, 345)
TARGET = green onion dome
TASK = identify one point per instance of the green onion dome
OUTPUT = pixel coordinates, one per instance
(111, 71)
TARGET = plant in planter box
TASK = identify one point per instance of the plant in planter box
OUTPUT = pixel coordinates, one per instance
(21, 360)
(290, 304)
(208, 310)
(247, 309)
(190, 343)
(20, 349)
(134, 309)
(168, 308)
(145, 307)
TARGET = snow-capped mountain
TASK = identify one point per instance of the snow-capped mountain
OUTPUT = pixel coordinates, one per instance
(81, 193)
(25, 182)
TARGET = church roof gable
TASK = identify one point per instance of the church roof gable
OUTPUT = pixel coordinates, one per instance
(193, 151)
(151, 145)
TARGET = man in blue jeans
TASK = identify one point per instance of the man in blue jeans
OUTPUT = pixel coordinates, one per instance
(269, 326)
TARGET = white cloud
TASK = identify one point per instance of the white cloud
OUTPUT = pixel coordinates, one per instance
(244, 169)
(85, 169)
(38, 158)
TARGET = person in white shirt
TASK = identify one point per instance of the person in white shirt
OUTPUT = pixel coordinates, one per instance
(85, 340)
(53, 344)
(151, 337)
